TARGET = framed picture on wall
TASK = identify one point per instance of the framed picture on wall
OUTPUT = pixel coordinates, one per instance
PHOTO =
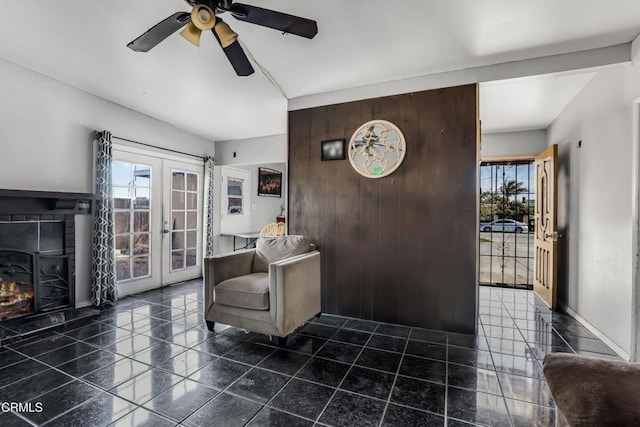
(269, 182)
(333, 149)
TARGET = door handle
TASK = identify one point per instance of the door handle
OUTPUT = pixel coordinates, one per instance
(165, 231)
(554, 235)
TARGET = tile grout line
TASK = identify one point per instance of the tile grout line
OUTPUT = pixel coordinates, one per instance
(535, 360)
(220, 391)
(311, 356)
(504, 400)
(100, 389)
(500, 382)
(265, 405)
(73, 378)
(505, 302)
(395, 379)
(86, 382)
(317, 420)
(217, 357)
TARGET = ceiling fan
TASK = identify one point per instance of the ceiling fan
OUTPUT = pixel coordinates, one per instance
(204, 16)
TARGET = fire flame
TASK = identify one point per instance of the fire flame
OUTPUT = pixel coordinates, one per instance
(10, 293)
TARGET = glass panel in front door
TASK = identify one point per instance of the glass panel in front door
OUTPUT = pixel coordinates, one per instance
(234, 196)
(132, 219)
(184, 219)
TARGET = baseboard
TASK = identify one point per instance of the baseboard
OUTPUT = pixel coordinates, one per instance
(615, 347)
(83, 304)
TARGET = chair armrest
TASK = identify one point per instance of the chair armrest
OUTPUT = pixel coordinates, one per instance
(222, 267)
(594, 392)
(294, 290)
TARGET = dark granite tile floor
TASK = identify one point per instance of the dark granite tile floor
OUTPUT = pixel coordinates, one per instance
(150, 361)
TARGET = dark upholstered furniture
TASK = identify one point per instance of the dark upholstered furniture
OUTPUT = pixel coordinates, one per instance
(273, 289)
(593, 392)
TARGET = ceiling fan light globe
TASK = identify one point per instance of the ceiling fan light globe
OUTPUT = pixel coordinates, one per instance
(203, 17)
(226, 35)
(192, 34)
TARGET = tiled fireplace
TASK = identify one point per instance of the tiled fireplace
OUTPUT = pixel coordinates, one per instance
(37, 251)
(36, 264)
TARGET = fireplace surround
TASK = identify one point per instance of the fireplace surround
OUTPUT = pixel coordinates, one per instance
(37, 251)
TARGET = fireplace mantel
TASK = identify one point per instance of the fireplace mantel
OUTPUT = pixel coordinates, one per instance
(23, 202)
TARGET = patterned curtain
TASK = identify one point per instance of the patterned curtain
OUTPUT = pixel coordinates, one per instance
(103, 286)
(208, 216)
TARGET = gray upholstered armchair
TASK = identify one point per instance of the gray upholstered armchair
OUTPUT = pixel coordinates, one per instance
(272, 289)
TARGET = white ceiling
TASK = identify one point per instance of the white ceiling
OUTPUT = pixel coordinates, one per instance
(83, 43)
(527, 103)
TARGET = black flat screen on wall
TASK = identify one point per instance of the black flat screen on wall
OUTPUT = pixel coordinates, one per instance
(333, 149)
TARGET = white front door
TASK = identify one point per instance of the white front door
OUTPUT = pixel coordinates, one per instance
(235, 201)
(157, 220)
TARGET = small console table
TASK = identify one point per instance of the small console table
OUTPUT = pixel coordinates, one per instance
(249, 239)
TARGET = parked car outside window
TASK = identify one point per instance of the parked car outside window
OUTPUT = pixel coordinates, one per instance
(508, 225)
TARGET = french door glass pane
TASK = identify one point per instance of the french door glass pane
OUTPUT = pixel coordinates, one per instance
(141, 244)
(192, 220)
(192, 182)
(141, 221)
(177, 199)
(177, 220)
(132, 219)
(141, 266)
(121, 174)
(184, 219)
(177, 260)
(142, 200)
(191, 257)
(142, 176)
(122, 222)
(122, 245)
(177, 182)
(192, 239)
(177, 240)
(123, 269)
(121, 198)
(192, 201)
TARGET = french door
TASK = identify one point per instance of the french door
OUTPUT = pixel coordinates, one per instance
(157, 220)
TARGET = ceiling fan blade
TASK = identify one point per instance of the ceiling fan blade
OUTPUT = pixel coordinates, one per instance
(237, 57)
(302, 27)
(160, 31)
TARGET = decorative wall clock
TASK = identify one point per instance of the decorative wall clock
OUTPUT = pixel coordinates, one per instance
(377, 149)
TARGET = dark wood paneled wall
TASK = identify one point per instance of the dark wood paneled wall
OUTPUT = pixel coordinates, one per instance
(402, 248)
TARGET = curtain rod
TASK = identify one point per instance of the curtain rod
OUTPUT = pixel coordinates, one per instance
(159, 148)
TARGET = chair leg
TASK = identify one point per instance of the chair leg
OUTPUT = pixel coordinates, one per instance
(210, 325)
(282, 341)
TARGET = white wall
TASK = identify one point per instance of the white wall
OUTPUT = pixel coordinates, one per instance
(45, 143)
(595, 202)
(265, 209)
(635, 91)
(267, 149)
(513, 143)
